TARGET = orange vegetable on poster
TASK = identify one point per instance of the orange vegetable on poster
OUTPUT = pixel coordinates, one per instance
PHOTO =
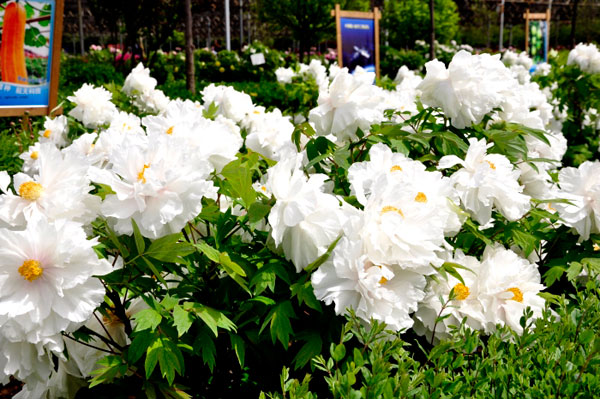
(12, 47)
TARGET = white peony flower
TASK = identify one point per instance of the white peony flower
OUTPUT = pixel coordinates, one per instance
(487, 181)
(60, 190)
(55, 131)
(160, 187)
(284, 75)
(232, 104)
(586, 57)
(469, 89)
(93, 107)
(508, 284)
(466, 301)
(349, 103)
(581, 186)
(350, 279)
(270, 134)
(139, 81)
(30, 159)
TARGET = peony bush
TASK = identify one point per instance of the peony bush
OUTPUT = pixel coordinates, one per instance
(171, 248)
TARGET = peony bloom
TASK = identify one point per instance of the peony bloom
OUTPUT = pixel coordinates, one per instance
(350, 279)
(93, 107)
(466, 302)
(232, 104)
(349, 103)
(508, 284)
(304, 220)
(487, 181)
(47, 285)
(586, 57)
(31, 159)
(581, 186)
(270, 134)
(59, 190)
(139, 81)
(469, 89)
(160, 187)
(284, 75)
(55, 131)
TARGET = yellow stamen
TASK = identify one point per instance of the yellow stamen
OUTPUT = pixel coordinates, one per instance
(383, 281)
(517, 294)
(389, 208)
(596, 247)
(461, 292)
(31, 190)
(31, 270)
(47, 133)
(550, 207)
(396, 168)
(263, 188)
(34, 155)
(111, 319)
(170, 130)
(491, 164)
(421, 197)
(257, 112)
(141, 174)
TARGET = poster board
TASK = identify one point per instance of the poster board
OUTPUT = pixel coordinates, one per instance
(30, 47)
(357, 38)
(537, 28)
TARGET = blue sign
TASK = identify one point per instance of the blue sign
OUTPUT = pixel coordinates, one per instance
(358, 43)
(26, 46)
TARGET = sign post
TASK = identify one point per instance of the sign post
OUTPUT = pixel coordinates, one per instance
(357, 38)
(537, 28)
(30, 47)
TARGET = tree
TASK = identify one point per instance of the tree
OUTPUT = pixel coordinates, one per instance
(409, 20)
(308, 21)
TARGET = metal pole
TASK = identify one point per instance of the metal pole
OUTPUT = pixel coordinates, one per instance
(241, 24)
(501, 26)
(80, 12)
(548, 29)
(227, 26)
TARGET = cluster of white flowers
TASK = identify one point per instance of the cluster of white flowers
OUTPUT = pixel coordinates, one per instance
(315, 70)
(586, 57)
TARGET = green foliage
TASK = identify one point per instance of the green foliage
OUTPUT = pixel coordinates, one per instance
(408, 21)
(559, 356)
(392, 59)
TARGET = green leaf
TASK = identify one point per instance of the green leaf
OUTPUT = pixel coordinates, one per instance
(258, 211)
(574, 270)
(170, 360)
(279, 320)
(309, 350)
(34, 38)
(304, 292)
(212, 317)
(210, 252)
(230, 266)
(205, 345)
(239, 346)
(170, 249)
(528, 242)
(337, 351)
(553, 274)
(154, 271)
(182, 319)
(147, 319)
(238, 179)
(139, 240)
(139, 345)
(111, 367)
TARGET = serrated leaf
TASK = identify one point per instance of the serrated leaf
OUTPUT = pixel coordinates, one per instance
(553, 274)
(212, 317)
(182, 320)
(210, 252)
(147, 319)
(139, 345)
(111, 367)
(311, 348)
(169, 249)
(279, 321)
(230, 266)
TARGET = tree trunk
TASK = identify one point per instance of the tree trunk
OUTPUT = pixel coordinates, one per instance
(189, 49)
(80, 15)
(431, 31)
(574, 22)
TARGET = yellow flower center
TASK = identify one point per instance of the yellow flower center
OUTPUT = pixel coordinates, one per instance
(421, 197)
(596, 247)
(31, 190)
(170, 130)
(263, 188)
(461, 292)
(34, 155)
(47, 133)
(550, 207)
(257, 112)
(396, 168)
(111, 319)
(491, 164)
(517, 294)
(389, 208)
(383, 281)
(31, 270)
(141, 174)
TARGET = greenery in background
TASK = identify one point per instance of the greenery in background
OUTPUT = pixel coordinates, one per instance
(406, 21)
